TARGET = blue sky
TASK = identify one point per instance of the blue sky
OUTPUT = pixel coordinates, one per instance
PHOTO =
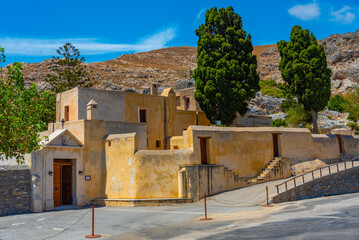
(31, 31)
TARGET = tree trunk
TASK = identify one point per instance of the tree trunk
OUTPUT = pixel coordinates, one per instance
(315, 123)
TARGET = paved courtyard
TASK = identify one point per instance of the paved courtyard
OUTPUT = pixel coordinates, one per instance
(234, 217)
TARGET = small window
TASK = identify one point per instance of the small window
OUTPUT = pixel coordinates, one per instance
(175, 147)
(109, 143)
(142, 115)
(66, 113)
(158, 144)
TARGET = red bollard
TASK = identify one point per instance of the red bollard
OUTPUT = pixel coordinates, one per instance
(205, 211)
(93, 225)
(268, 205)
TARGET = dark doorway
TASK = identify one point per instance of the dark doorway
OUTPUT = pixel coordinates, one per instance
(275, 145)
(340, 142)
(62, 182)
(142, 115)
(186, 103)
(203, 146)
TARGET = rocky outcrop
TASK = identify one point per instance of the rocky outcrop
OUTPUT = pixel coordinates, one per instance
(264, 105)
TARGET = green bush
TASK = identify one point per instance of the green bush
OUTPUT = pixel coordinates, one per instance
(352, 117)
(352, 104)
(279, 123)
(337, 103)
(272, 88)
(298, 115)
(353, 125)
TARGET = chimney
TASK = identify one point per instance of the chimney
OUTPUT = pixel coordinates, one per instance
(154, 89)
(92, 110)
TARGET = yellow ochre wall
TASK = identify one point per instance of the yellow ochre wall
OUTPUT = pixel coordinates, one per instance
(243, 151)
(68, 98)
(144, 174)
(120, 171)
(246, 151)
(162, 117)
(325, 147)
(157, 172)
(154, 106)
(177, 141)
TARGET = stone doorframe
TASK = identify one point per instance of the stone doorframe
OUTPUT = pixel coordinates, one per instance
(42, 169)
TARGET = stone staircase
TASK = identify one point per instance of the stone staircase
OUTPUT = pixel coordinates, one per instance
(232, 176)
(273, 171)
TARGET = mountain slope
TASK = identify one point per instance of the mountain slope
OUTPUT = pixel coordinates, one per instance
(170, 65)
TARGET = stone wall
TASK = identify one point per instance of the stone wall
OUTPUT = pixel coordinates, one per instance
(339, 183)
(252, 121)
(325, 147)
(15, 189)
(208, 180)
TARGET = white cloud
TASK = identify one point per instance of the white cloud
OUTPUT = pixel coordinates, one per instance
(199, 14)
(343, 15)
(305, 12)
(87, 46)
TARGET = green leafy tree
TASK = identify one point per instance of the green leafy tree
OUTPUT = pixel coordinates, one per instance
(46, 102)
(2, 60)
(21, 115)
(226, 74)
(68, 70)
(304, 68)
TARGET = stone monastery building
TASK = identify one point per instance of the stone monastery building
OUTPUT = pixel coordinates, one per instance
(111, 147)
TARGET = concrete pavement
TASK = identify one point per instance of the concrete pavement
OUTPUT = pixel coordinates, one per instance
(237, 215)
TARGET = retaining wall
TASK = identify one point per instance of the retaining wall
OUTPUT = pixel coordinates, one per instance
(335, 184)
(15, 189)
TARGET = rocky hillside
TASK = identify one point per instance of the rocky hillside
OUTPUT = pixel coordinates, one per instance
(169, 66)
(130, 71)
(342, 52)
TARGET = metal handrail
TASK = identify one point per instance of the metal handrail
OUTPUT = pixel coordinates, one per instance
(312, 173)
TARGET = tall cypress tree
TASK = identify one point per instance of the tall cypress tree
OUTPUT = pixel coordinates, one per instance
(226, 75)
(304, 68)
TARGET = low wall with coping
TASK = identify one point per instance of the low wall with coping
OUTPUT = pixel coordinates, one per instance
(15, 189)
(335, 184)
(325, 147)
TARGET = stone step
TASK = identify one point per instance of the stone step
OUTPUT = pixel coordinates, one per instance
(140, 202)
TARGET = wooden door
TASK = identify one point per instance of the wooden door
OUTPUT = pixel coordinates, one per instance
(66, 193)
(203, 146)
(57, 185)
(62, 177)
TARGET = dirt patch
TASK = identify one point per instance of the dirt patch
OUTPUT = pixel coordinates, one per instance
(307, 166)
